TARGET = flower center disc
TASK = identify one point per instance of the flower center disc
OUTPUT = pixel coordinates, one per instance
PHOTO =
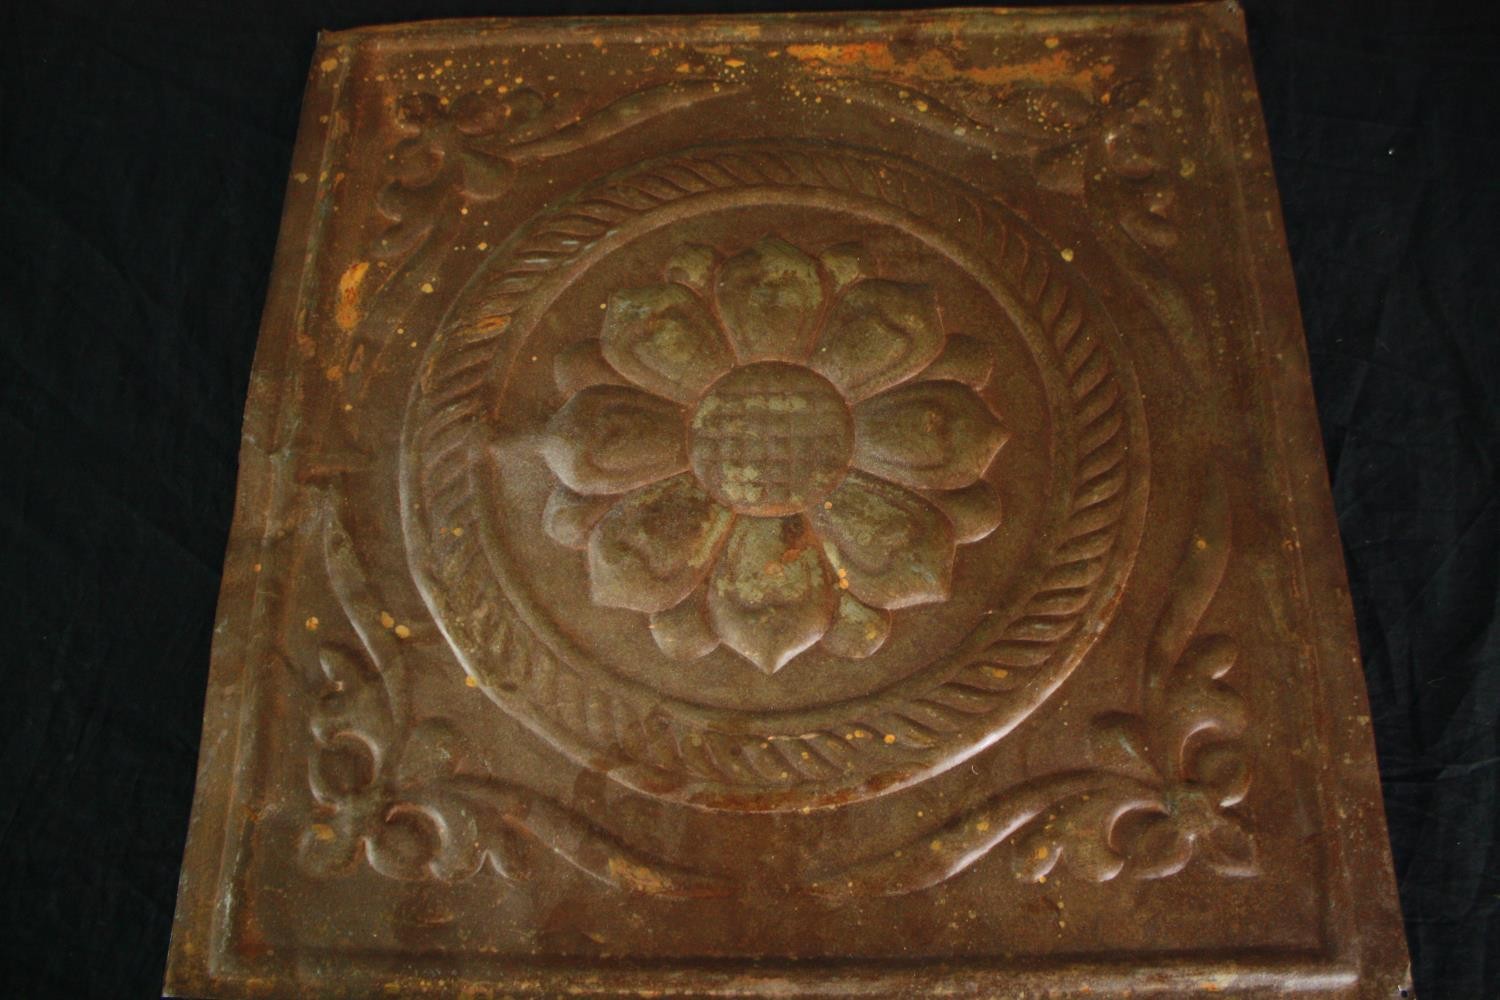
(771, 439)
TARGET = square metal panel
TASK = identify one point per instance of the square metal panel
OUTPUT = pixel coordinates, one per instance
(785, 505)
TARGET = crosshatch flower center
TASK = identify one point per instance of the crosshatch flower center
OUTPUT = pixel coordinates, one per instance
(769, 450)
(771, 439)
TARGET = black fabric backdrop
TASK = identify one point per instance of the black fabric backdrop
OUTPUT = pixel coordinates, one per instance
(143, 151)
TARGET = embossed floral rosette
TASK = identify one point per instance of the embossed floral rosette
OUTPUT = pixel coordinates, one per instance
(771, 451)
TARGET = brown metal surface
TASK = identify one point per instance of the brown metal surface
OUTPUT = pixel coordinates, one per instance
(789, 505)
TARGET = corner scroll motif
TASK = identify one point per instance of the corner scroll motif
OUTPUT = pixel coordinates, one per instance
(1164, 782)
(1101, 144)
(1102, 141)
(399, 792)
(454, 154)
(466, 151)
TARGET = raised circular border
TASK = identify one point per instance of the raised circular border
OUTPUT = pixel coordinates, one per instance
(911, 730)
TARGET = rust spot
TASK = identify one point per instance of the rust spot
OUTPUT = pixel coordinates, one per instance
(346, 312)
(934, 64)
(637, 877)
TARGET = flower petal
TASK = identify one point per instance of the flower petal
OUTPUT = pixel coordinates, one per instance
(692, 265)
(684, 632)
(662, 338)
(484, 177)
(964, 359)
(1222, 769)
(609, 439)
(580, 365)
(655, 545)
(333, 845)
(879, 333)
(771, 595)
(892, 548)
(974, 510)
(405, 841)
(769, 298)
(931, 435)
(416, 162)
(858, 630)
(1228, 848)
(477, 113)
(522, 106)
(569, 517)
(845, 263)
(1130, 151)
(1159, 848)
(416, 110)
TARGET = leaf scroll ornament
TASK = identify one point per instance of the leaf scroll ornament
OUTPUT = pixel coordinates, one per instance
(465, 150)
(1184, 746)
(452, 149)
(410, 795)
(1162, 785)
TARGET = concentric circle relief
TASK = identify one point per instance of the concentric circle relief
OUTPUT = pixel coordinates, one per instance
(773, 477)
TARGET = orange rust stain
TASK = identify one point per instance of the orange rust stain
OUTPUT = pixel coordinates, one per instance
(637, 877)
(346, 313)
(868, 55)
(936, 65)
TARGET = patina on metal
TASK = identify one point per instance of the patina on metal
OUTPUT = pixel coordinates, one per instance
(785, 505)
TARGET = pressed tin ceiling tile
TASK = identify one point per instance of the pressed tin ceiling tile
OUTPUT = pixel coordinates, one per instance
(785, 505)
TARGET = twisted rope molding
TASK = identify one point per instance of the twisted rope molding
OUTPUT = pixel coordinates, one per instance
(681, 751)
